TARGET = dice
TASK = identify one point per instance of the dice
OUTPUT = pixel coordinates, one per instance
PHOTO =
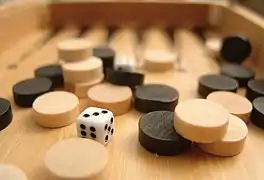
(97, 124)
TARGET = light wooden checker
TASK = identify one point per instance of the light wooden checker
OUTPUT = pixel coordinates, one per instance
(9, 172)
(158, 52)
(56, 109)
(213, 46)
(74, 49)
(82, 71)
(200, 120)
(81, 89)
(159, 60)
(117, 99)
(234, 103)
(232, 143)
(76, 158)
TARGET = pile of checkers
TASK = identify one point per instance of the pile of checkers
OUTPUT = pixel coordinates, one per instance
(215, 122)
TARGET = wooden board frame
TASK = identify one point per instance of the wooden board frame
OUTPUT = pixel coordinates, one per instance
(24, 137)
(18, 19)
(120, 12)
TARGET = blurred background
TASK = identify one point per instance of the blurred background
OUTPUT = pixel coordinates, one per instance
(255, 5)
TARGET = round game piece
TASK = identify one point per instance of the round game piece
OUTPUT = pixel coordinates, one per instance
(210, 83)
(255, 88)
(6, 114)
(201, 120)
(157, 134)
(53, 72)
(106, 54)
(115, 98)
(159, 60)
(81, 89)
(123, 78)
(82, 71)
(9, 172)
(257, 115)
(25, 92)
(235, 49)
(238, 72)
(155, 97)
(233, 141)
(213, 46)
(76, 158)
(74, 49)
(56, 109)
(234, 103)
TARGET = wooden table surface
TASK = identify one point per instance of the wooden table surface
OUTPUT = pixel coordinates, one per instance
(24, 143)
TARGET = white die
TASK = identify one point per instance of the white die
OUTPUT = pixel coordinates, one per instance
(97, 124)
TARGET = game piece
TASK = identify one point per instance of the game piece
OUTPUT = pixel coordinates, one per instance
(157, 60)
(124, 63)
(82, 71)
(80, 89)
(234, 103)
(74, 49)
(56, 109)
(10, 172)
(107, 55)
(76, 158)
(235, 49)
(53, 72)
(124, 78)
(6, 114)
(25, 92)
(233, 141)
(238, 72)
(213, 46)
(155, 97)
(210, 83)
(255, 88)
(257, 115)
(115, 98)
(97, 124)
(157, 135)
(201, 120)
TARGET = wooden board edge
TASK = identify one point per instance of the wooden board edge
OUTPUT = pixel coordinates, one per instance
(19, 19)
(240, 20)
(119, 12)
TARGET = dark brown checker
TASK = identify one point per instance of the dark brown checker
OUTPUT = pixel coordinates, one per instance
(255, 88)
(6, 114)
(210, 83)
(240, 73)
(25, 92)
(235, 49)
(107, 55)
(157, 135)
(155, 97)
(257, 115)
(53, 72)
(124, 78)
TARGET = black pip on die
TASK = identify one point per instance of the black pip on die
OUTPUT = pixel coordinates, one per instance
(97, 124)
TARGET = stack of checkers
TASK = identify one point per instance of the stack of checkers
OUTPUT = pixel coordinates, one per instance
(80, 69)
(211, 126)
(205, 123)
(231, 78)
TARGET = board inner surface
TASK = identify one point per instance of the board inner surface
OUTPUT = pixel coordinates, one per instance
(24, 143)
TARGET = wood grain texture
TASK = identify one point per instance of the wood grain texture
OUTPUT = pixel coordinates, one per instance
(240, 20)
(117, 12)
(24, 17)
(24, 143)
